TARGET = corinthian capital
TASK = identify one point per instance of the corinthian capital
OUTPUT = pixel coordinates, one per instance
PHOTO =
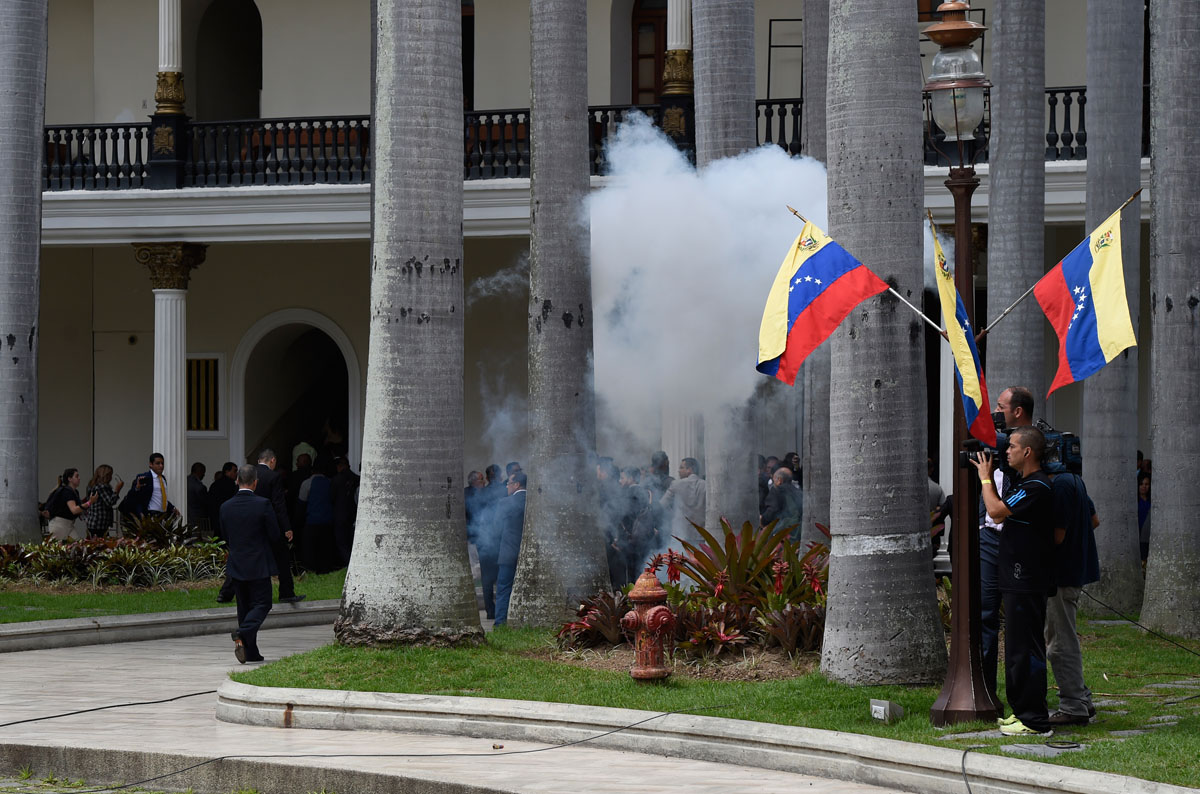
(170, 263)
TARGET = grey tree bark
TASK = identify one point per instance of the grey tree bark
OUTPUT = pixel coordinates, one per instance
(1016, 197)
(22, 113)
(723, 37)
(816, 369)
(562, 550)
(882, 626)
(1172, 599)
(1110, 397)
(409, 580)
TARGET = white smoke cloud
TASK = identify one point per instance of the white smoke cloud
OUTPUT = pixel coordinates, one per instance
(682, 261)
(511, 282)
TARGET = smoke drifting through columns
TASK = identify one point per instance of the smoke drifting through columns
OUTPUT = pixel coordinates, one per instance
(682, 261)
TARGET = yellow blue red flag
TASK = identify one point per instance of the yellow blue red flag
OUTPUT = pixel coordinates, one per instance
(1083, 297)
(817, 285)
(967, 371)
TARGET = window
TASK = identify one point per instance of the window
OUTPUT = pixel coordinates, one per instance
(204, 401)
(649, 50)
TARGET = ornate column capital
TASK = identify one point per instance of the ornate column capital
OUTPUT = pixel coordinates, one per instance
(168, 93)
(677, 73)
(170, 263)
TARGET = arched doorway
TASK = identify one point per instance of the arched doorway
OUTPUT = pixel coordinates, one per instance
(295, 377)
(228, 82)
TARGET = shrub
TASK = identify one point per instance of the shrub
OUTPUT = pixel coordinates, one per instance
(112, 561)
(599, 622)
(161, 529)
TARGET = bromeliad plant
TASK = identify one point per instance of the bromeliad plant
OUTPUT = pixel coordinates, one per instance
(747, 586)
(112, 561)
(598, 621)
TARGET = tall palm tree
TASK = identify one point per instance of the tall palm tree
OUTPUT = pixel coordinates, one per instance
(723, 37)
(562, 551)
(882, 625)
(816, 368)
(1016, 195)
(1173, 572)
(1110, 397)
(22, 114)
(409, 581)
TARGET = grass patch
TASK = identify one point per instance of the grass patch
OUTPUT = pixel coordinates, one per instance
(1120, 662)
(21, 602)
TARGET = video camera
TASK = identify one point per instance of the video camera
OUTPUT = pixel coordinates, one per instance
(1064, 451)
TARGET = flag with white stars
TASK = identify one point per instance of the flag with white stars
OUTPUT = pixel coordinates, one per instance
(817, 285)
(1084, 299)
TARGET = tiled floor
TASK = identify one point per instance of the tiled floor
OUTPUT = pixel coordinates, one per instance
(39, 683)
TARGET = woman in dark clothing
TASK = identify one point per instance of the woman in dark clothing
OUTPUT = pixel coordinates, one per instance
(1143, 481)
(64, 506)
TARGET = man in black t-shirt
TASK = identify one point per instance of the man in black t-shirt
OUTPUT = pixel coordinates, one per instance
(1026, 572)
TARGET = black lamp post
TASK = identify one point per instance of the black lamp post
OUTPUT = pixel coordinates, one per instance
(957, 88)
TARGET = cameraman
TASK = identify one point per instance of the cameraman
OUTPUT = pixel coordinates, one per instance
(1015, 407)
(1026, 575)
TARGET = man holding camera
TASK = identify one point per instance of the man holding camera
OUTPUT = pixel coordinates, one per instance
(1015, 406)
(1025, 574)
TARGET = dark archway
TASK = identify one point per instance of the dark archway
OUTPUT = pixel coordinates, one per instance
(228, 81)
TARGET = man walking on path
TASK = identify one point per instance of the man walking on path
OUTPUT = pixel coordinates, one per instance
(251, 532)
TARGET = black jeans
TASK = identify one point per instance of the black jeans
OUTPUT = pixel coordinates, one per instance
(253, 604)
(1025, 658)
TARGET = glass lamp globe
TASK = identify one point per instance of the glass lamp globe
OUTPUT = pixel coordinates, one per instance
(956, 83)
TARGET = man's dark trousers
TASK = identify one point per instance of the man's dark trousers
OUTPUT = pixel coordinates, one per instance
(253, 604)
(1025, 658)
(989, 601)
(489, 570)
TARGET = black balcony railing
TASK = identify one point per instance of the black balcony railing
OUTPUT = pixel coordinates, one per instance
(496, 145)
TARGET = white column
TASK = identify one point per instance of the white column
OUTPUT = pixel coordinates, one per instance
(682, 437)
(679, 24)
(170, 397)
(170, 51)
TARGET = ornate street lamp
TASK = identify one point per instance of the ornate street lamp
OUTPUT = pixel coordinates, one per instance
(957, 87)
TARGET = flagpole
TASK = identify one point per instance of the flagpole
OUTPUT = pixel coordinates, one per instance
(1006, 312)
(920, 313)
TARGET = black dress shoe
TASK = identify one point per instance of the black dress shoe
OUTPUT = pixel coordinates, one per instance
(255, 659)
(221, 600)
(1063, 718)
(239, 648)
(292, 599)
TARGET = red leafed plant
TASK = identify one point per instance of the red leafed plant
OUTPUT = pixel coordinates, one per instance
(598, 621)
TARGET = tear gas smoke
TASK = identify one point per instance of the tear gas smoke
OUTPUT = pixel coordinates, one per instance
(682, 261)
(511, 282)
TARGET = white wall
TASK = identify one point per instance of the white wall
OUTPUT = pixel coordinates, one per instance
(125, 47)
(69, 85)
(316, 57)
(502, 54)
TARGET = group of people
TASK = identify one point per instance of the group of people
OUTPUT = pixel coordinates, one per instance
(99, 507)
(1037, 550)
(495, 508)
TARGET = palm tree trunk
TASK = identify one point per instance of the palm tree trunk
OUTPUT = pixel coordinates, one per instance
(816, 369)
(1173, 571)
(1016, 196)
(22, 114)
(723, 33)
(409, 581)
(562, 550)
(1110, 397)
(882, 626)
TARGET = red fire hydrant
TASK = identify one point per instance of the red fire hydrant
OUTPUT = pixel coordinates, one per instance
(653, 626)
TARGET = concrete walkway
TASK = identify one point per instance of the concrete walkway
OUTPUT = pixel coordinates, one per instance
(128, 744)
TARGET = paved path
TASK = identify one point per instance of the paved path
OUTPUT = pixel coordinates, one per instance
(39, 683)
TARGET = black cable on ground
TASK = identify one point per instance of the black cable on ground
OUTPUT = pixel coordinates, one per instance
(966, 782)
(363, 755)
(1139, 625)
(102, 708)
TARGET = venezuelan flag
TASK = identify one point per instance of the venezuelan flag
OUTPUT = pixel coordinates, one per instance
(967, 371)
(1083, 297)
(818, 284)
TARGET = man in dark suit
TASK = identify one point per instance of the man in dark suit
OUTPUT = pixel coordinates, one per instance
(251, 530)
(148, 496)
(510, 523)
(270, 487)
(223, 488)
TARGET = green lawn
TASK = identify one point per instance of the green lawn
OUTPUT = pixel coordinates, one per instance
(20, 603)
(503, 668)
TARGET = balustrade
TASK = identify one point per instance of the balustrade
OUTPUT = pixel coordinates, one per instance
(496, 145)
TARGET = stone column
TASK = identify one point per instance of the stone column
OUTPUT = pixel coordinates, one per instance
(678, 97)
(168, 125)
(170, 267)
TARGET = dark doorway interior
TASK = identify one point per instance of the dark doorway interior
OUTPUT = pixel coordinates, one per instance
(228, 81)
